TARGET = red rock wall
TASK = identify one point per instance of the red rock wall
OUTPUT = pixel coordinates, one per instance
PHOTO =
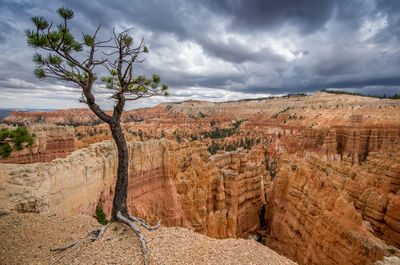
(336, 195)
(180, 184)
(236, 196)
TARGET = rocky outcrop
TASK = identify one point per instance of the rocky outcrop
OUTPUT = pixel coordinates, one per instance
(79, 116)
(50, 142)
(340, 142)
(321, 212)
(177, 183)
(72, 184)
(236, 195)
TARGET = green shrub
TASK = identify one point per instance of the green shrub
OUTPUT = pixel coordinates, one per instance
(254, 237)
(101, 216)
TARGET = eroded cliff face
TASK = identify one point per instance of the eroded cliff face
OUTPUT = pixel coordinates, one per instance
(335, 198)
(71, 184)
(313, 219)
(236, 195)
(50, 142)
(328, 164)
(179, 184)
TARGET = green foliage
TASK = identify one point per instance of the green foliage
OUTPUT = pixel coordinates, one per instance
(126, 39)
(217, 133)
(272, 170)
(270, 165)
(295, 95)
(229, 148)
(60, 62)
(5, 150)
(65, 13)
(39, 73)
(340, 92)
(156, 78)
(89, 41)
(280, 112)
(254, 237)
(100, 216)
(53, 39)
(213, 148)
(392, 251)
(40, 23)
(246, 143)
(140, 133)
(14, 140)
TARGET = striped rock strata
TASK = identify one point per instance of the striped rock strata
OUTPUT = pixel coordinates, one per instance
(177, 183)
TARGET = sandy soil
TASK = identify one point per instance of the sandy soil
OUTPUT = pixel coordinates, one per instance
(27, 239)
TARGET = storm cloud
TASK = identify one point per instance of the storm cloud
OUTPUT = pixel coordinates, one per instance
(220, 50)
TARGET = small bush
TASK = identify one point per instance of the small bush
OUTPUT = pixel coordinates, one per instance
(254, 237)
(100, 216)
(392, 251)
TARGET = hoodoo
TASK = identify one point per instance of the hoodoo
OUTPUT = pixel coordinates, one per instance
(317, 181)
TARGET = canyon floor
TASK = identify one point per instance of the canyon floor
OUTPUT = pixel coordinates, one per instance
(27, 239)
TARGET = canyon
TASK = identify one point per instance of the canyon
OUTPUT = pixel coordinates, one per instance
(314, 177)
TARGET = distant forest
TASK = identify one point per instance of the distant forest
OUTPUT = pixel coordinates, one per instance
(395, 96)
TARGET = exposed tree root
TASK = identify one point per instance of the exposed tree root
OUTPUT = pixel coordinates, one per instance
(138, 233)
(114, 237)
(66, 247)
(74, 244)
(144, 223)
(97, 234)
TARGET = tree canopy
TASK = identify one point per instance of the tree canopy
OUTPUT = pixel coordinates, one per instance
(75, 61)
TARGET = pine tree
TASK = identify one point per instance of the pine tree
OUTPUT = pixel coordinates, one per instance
(67, 59)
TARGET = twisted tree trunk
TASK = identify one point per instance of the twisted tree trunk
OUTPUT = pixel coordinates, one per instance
(121, 187)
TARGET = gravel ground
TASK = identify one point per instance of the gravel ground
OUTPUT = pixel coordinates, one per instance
(27, 239)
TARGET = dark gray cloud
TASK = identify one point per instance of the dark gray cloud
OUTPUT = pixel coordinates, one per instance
(306, 15)
(221, 50)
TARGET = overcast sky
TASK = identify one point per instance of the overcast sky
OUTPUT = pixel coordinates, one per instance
(219, 50)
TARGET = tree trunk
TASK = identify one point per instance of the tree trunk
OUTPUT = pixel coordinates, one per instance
(121, 188)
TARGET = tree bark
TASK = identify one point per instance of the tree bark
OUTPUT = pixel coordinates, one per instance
(121, 187)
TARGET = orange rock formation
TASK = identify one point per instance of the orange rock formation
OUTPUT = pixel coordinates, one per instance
(182, 185)
(328, 166)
